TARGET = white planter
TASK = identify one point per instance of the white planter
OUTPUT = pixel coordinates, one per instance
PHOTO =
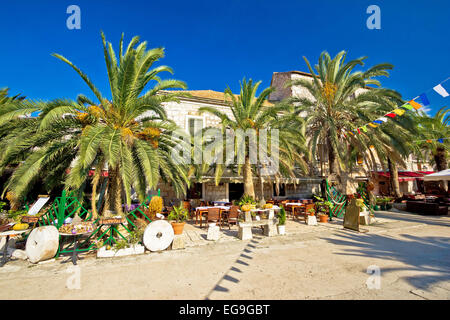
(281, 229)
(136, 249)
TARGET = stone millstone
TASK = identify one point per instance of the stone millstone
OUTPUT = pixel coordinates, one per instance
(42, 244)
(158, 235)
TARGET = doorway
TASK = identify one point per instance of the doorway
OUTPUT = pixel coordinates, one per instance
(235, 191)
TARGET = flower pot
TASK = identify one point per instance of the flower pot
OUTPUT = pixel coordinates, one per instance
(323, 218)
(178, 227)
(281, 229)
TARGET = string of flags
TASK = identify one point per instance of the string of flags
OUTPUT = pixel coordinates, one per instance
(440, 140)
(399, 111)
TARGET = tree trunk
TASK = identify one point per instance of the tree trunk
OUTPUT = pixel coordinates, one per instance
(393, 179)
(440, 159)
(248, 179)
(114, 196)
(95, 182)
(261, 185)
(332, 159)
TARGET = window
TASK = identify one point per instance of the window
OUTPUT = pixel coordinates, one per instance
(194, 124)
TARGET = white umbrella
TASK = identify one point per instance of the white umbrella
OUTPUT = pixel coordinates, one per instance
(443, 175)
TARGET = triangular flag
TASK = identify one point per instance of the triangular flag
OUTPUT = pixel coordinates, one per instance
(424, 99)
(377, 121)
(440, 140)
(429, 141)
(407, 106)
(415, 104)
(391, 115)
(400, 112)
(358, 131)
(372, 125)
(384, 119)
(441, 90)
(364, 128)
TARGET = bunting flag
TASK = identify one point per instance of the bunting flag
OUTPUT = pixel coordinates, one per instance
(416, 105)
(424, 99)
(407, 106)
(401, 110)
(441, 90)
(440, 140)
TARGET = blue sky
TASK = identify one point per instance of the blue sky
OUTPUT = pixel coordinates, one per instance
(212, 44)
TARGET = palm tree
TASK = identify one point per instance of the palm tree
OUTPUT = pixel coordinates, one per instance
(129, 134)
(434, 137)
(252, 112)
(434, 131)
(341, 101)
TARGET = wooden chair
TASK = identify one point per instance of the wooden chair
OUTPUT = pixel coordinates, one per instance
(300, 211)
(187, 206)
(233, 216)
(212, 216)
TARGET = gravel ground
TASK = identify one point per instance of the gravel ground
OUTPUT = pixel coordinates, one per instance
(411, 252)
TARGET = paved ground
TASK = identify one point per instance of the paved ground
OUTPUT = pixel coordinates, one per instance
(324, 262)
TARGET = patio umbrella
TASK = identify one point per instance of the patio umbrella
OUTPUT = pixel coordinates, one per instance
(443, 175)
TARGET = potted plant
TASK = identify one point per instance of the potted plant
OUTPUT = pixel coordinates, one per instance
(281, 221)
(311, 212)
(247, 203)
(178, 216)
(323, 208)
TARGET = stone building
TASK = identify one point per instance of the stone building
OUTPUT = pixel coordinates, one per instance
(187, 116)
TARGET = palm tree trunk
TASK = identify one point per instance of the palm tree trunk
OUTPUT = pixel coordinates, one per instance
(261, 185)
(440, 159)
(95, 182)
(114, 198)
(248, 178)
(332, 159)
(393, 179)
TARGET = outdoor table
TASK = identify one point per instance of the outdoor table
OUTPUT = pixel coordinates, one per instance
(293, 205)
(202, 210)
(8, 234)
(76, 237)
(220, 203)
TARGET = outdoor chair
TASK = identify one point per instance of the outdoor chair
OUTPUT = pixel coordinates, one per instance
(212, 216)
(187, 206)
(233, 216)
(300, 211)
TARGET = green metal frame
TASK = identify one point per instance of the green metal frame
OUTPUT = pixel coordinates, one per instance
(338, 199)
(67, 206)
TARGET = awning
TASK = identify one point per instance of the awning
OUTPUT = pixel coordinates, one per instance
(406, 175)
(443, 175)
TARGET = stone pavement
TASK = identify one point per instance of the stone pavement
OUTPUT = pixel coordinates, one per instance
(196, 236)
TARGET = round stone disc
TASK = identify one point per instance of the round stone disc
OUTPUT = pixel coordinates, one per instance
(42, 244)
(158, 235)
